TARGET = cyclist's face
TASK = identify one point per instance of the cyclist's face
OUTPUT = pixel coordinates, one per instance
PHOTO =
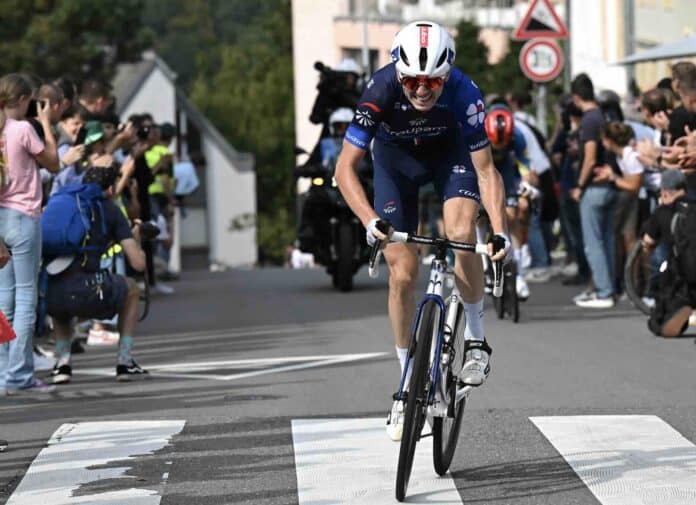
(423, 97)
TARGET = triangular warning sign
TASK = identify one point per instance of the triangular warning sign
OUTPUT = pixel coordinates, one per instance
(541, 20)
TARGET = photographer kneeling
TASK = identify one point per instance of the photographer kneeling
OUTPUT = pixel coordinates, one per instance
(674, 224)
(84, 290)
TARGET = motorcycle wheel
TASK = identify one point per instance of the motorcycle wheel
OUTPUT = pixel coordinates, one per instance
(343, 275)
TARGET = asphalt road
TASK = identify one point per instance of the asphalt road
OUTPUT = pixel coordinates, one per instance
(242, 358)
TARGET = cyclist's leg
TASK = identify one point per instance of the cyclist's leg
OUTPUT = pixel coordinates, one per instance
(460, 193)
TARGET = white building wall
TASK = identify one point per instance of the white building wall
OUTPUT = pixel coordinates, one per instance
(194, 228)
(231, 196)
(156, 96)
(597, 36)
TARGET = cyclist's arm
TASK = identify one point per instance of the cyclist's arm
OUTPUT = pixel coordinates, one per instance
(491, 187)
(349, 183)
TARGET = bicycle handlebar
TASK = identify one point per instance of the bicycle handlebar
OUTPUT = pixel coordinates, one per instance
(403, 237)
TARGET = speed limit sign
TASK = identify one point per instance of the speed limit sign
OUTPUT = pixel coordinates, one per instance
(541, 60)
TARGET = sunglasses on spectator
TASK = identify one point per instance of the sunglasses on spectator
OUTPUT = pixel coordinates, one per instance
(413, 83)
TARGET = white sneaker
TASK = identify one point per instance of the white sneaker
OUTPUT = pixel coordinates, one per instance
(525, 257)
(570, 270)
(541, 274)
(395, 421)
(595, 302)
(692, 319)
(650, 302)
(102, 337)
(476, 363)
(522, 288)
(585, 295)
(162, 289)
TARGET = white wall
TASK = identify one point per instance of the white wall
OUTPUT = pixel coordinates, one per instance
(156, 96)
(231, 194)
(194, 228)
(597, 35)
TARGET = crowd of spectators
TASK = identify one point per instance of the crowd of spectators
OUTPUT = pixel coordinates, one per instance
(57, 135)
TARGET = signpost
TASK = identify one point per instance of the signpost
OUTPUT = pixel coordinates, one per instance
(541, 59)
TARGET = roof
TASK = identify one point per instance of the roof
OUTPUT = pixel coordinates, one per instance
(131, 76)
(679, 49)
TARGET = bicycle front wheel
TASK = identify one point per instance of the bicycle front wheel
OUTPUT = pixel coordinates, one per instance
(417, 402)
(446, 435)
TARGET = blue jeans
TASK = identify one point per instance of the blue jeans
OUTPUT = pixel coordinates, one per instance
(597, 220)
(18, 292)
(570, 221)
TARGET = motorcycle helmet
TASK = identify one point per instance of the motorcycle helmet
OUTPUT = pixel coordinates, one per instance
(500, 125)
(423, 48)
(340, 115)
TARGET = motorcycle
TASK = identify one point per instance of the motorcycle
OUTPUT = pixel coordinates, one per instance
(329, 229)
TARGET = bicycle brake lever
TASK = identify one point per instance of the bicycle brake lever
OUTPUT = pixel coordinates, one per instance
(373, 265)
(497, 278)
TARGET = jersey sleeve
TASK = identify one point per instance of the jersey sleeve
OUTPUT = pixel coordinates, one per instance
(471, 112)
(520, 147)
(378, 97)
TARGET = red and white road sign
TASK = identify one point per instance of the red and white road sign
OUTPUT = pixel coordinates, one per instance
(541, 20)
(541, 60)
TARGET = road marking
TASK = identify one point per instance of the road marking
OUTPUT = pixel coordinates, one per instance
(353, 461)
(259, 366)
(626, 460)
(75, 449)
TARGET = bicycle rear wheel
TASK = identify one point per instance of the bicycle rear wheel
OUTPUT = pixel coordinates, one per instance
(512, 302)
(417, 403)
(640, 277)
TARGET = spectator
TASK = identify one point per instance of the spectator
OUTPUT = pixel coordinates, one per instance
(597, 199)
(616, 138)
(681, 118)
(676, 298)
(20, 231)
(95, 96)
(565, 152)
(83, 290)
(69, 91)
(92, 153)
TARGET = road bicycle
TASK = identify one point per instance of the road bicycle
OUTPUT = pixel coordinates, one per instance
(437, 353)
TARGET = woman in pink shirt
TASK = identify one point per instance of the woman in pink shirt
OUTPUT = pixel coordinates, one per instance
(21, 153)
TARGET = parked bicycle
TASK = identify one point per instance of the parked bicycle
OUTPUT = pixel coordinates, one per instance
(641, 273)
(437, 351)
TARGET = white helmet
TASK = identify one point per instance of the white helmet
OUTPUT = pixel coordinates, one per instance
(423, 48)
(340, 115)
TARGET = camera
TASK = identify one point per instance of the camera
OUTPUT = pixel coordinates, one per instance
(143, 132)
(33, 109)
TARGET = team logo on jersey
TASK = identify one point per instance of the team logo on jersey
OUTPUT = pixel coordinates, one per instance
(390, 207)
(418, 121)
(458, 169)
(364, 118)
(370, 83)
(476, 113)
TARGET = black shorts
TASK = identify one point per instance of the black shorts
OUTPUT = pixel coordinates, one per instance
(673, 295)
(95, 295)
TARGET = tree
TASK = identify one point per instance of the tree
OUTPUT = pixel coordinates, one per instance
(249, 97)
(51, 38)
(472, 58)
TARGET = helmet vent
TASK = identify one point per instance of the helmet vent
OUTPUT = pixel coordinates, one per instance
(423, 58)
(442, 59)
(402, 55)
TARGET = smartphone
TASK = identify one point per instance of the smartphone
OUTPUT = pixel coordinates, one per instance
(81, 136)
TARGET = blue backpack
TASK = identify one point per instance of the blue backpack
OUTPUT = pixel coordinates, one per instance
(66, 222)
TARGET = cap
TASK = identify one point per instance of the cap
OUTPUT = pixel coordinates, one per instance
(95, 132)
(673, 179)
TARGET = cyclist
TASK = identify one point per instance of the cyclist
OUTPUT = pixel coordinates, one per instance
(509, 150)
(425, 120)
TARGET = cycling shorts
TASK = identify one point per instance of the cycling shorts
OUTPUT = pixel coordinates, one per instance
(400, 170)
(511, 179)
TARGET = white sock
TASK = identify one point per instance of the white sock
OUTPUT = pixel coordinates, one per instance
(474, 320)
(517, 254)
(402, 354)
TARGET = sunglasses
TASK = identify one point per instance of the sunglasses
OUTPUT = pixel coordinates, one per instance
(413, 83)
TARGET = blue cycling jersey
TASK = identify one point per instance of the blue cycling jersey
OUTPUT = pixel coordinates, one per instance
(384, 112)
